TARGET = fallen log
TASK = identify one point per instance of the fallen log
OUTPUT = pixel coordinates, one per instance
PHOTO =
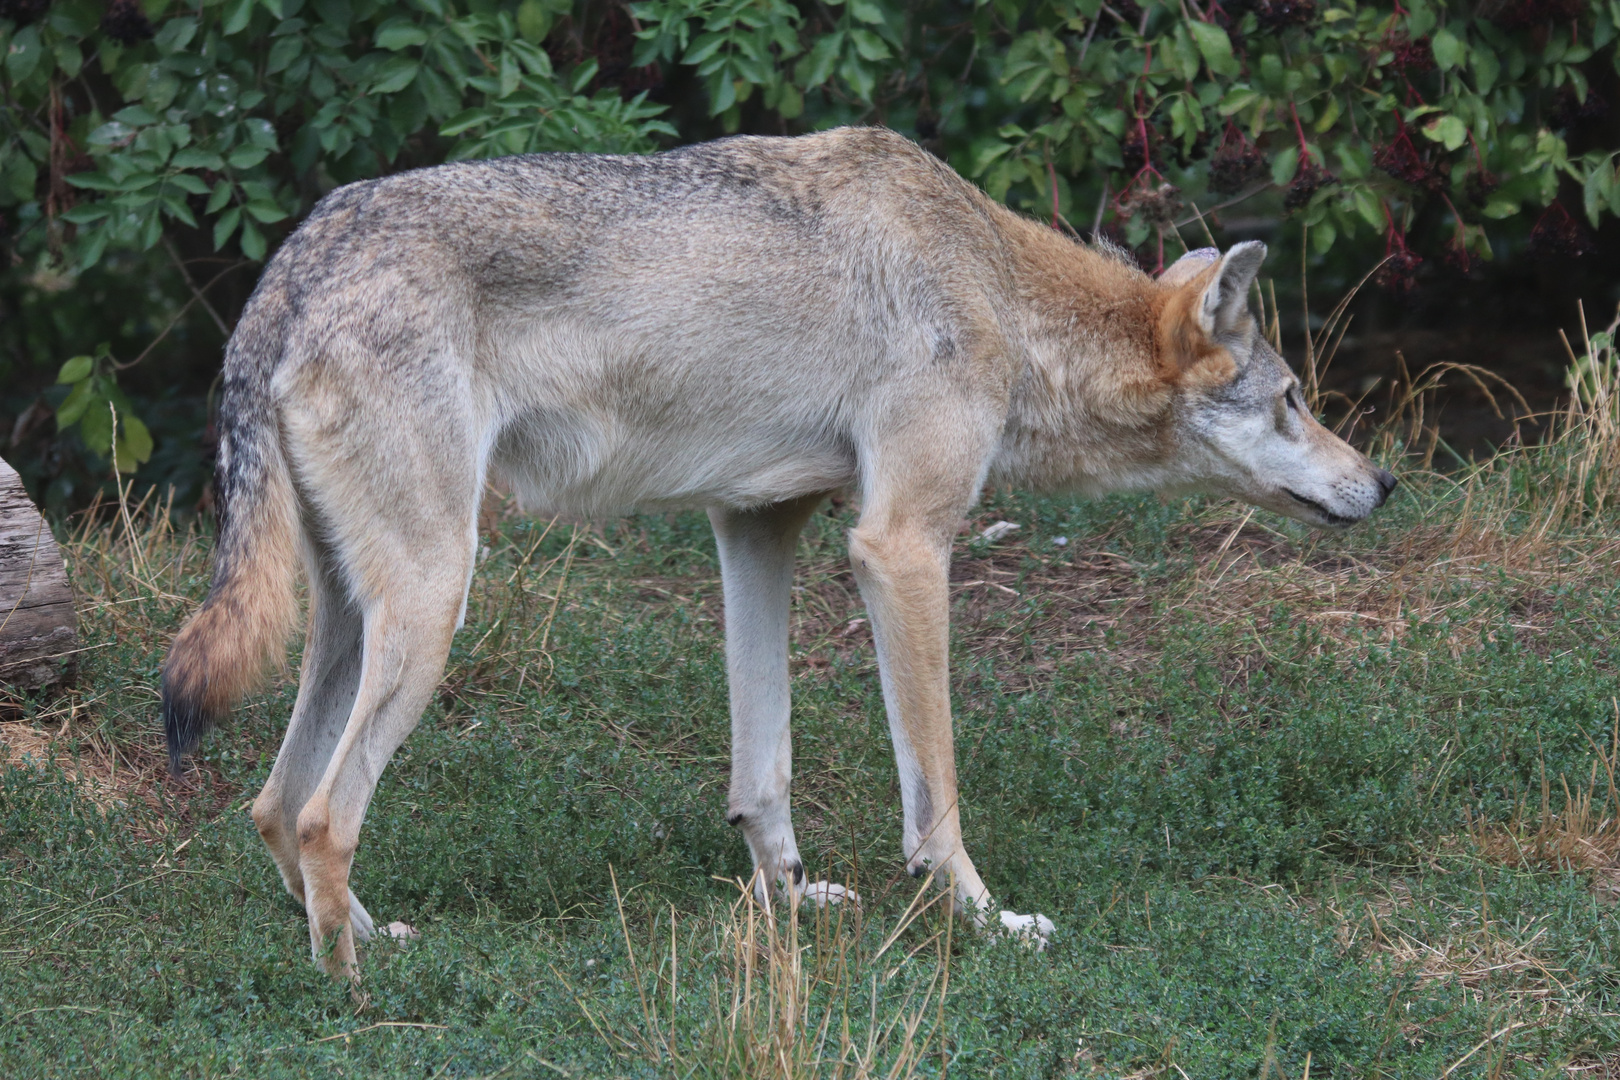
(38, 629)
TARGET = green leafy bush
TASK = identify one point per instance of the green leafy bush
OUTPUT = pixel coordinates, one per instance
(233, 115)
(215, 125)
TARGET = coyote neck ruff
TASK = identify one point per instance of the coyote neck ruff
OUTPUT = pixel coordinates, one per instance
(742, 326)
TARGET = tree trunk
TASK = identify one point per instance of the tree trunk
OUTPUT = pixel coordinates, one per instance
(38, 630)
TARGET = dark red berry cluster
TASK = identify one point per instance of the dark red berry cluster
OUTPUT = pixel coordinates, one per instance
(1401, 160)
(1456, 253)
(1282, 14)
(1272, 14)
(1558, 235)
(1308, 180)
(1136, 149)
(1235, 167)
(23, 12)
(1398, 275)
(126, 23)
(1412, 57)
(1480, 185)
(1156, 205)
(1570, 109)
(1523, 14)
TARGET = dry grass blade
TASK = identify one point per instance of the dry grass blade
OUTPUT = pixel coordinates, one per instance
(790, 1010)
(1582, 834)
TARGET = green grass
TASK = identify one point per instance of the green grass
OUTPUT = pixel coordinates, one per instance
(1235, 761)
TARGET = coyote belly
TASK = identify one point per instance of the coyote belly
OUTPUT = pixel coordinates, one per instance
(742, 326)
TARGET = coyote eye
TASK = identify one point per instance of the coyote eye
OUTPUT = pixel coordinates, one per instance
(1291, 396)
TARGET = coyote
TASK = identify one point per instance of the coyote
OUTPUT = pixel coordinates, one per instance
(743, 326)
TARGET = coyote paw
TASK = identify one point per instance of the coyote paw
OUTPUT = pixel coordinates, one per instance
(1030, 929)
(401, 931)
(823, 893)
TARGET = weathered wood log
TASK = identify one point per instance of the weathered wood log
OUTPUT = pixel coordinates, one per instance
(38, 629)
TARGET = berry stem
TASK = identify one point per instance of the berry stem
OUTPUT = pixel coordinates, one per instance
(1304, 147)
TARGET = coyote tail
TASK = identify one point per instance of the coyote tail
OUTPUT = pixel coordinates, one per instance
(221, 651)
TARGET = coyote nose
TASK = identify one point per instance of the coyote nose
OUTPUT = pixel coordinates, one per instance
(1386, 484)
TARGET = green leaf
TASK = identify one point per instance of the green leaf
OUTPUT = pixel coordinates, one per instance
(859, 76)
(151, 230)
(1447, 130)
(1235, 101)
(818, 67)
(722, 94)
(265, 211)
(75, 369)
(96, 426)
(1323, 234)
(245, 157)
(1330, 113)
(394, 75)
(1367, 205)
(175, 35)
(583, 75)
(94, 181)
(866, 12)
(68, 58)
(237, 15)
(869, 45)
(1486, 69)
(1216, 48)
(791, 102)
(217, 201)
(533, 21)
(137, 116)
(467, 120)
(260, 132)
(1284, 165)
(397, 34)
(226, 225)
(283, 53)
(1595, 192)
(85, 213)
(703, 48)
(193, 158)
(1501, 206)
(191, 185)
(253, 245)
(111, 133)
(73, 406)
(1110, 120)
(24, 53)
(986, 155)
(136, 441)
(1449, 50)
(509, 74)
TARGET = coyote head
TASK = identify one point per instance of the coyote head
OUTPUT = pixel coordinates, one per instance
(1240, 422)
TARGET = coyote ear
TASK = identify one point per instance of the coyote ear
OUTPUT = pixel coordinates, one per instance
(1189, 266)
(1225, 304)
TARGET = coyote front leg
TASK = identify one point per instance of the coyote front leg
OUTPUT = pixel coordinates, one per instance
(901, 564)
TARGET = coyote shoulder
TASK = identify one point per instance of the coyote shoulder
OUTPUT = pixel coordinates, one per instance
(742, 326)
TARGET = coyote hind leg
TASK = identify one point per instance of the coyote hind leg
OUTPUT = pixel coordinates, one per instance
(328, 680)
(406, 641)
(390, 469)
